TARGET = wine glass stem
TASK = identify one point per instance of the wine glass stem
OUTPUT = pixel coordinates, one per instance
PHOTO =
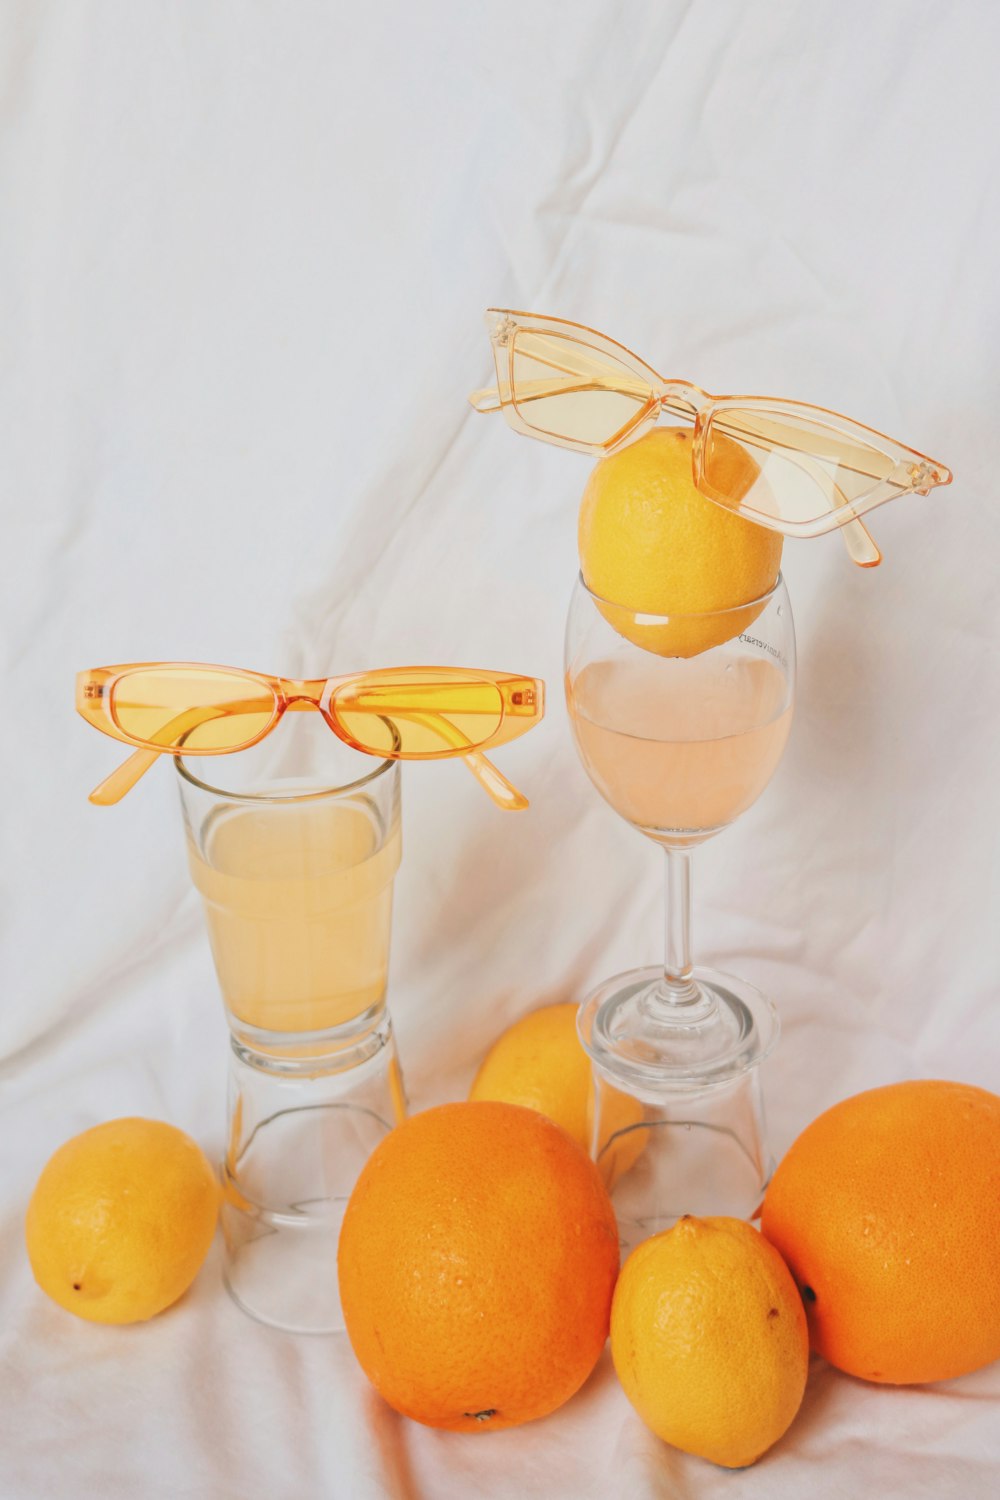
(678, 986)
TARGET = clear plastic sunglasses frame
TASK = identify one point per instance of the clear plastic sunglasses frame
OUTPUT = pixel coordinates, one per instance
(817, 470)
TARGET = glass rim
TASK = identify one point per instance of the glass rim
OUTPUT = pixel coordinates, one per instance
(642, 615)
(186, 774)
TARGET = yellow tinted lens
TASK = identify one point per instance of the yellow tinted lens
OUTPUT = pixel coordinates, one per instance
(787, 467)
(191, 708)
(418, 717)
(565, 388)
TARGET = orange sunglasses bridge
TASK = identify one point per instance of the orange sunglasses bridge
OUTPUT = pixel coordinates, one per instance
(403, 713)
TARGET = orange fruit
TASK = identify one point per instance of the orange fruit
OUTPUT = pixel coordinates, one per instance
(709, 1339)
(650, 543)
(121, 1220)
(540, 1063)
(887, 1210)
(477, 1260)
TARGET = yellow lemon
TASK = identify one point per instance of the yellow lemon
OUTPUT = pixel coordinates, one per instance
(121, 1219)
(709, 1339)
(651, 544)
(540, 1063)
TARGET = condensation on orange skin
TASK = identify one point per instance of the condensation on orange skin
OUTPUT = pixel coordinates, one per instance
(477, 1262)
(887, 1210)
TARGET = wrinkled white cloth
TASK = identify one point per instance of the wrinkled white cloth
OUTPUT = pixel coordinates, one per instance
(245, 248)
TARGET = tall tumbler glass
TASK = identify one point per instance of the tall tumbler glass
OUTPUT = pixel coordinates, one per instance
(295, 861)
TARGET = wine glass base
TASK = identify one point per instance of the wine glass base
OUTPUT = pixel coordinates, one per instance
(647, 1041)
(678, 1120)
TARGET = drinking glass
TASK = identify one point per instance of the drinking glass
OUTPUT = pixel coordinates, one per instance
(293, 847)
(680, 721)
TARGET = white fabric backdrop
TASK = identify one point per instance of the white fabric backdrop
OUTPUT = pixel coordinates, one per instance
(245, 248)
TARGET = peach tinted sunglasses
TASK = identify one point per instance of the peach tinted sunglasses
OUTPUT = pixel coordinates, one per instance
(795, 468)
(399, 713)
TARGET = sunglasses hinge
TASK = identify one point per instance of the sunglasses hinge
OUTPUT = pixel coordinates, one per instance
(923, 477)
(503, 331)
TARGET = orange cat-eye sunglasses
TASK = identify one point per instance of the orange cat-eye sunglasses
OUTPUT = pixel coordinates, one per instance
(796, 468)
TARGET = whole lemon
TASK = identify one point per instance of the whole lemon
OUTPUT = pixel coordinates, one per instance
(887, 1210)
(477, 1260)
(540, 1063)
(650, 543)
(709, 1339)
(121, 1220)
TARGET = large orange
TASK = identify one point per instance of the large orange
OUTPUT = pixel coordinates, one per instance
(887, 1211)
(477, 1262)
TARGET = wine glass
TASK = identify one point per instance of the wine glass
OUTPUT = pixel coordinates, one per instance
(680, 721)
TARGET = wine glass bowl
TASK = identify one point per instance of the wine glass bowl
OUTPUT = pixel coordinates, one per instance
(680, 722)
(680, 745)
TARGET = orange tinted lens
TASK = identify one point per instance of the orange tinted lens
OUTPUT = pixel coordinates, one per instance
(565, 388)
(787, 467)
(191, 708)
(418, 716)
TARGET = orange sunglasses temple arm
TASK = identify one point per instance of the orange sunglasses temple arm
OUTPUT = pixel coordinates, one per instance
(504, 793)
(121, 781)
(858, 540)
(114, 787)
(860, 544)
(488, 399)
